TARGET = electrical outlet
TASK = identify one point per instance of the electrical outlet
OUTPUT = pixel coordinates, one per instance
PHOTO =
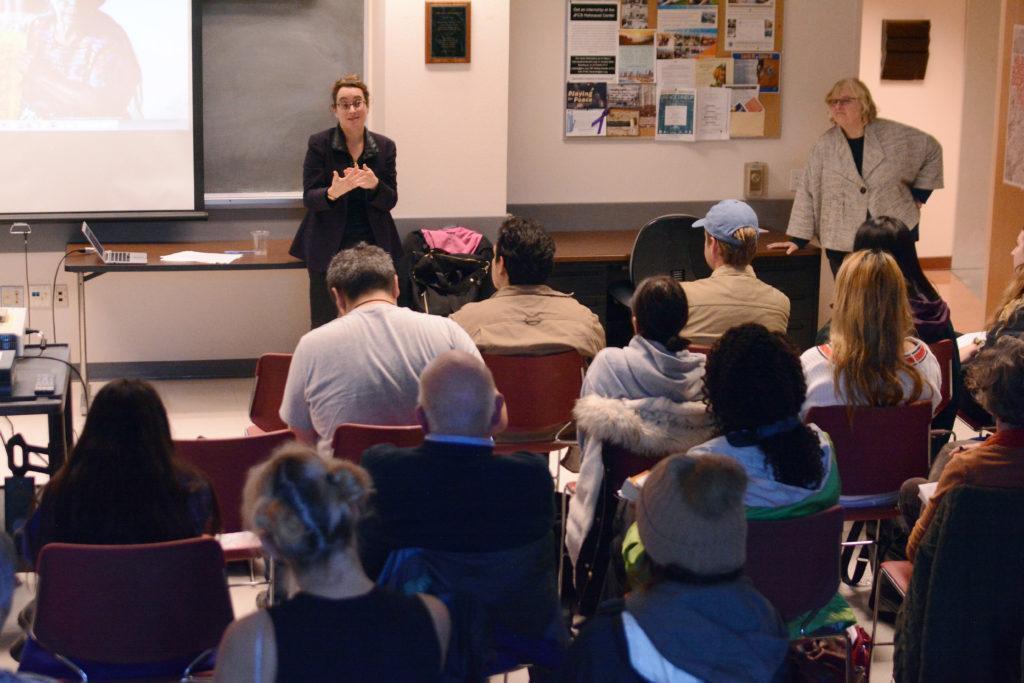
(13, 295)
(796, 176)
(60, 296)
(39, 296)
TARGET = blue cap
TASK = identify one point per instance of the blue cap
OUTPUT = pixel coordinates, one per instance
(726, 217)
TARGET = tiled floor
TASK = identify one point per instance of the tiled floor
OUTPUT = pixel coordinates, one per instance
(217, 408)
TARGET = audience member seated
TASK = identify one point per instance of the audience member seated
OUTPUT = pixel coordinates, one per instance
(871, 359)
(732, 295)
(473, 523)
(525, 316)
(645, 398)
(339, 625)
(697, 618)
(754, 387)
(929, 312)
(121, 483)
(996, 376)
(1008, 319)
(364, 366)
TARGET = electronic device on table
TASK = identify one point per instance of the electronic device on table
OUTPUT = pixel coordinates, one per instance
(12, 330)
(108, 256)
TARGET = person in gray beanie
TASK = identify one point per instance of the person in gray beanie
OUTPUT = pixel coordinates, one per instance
(698, 617)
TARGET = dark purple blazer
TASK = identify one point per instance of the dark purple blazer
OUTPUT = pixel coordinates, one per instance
(321, 231)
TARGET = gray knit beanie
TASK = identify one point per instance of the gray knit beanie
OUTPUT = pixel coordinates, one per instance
(691, 514)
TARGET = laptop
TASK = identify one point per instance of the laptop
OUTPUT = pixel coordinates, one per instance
(108, 256)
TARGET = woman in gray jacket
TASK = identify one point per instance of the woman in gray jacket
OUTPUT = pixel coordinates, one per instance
(862, 167)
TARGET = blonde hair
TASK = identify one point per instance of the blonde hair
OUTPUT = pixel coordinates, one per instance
(302, 506)
(739, 255)
(871, 320)
(1012, 299)
(868, 108)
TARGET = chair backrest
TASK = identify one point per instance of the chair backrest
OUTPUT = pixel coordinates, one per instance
(669, 245)
(699, 348)
(132, 604)
(794, 562)
(943, 351)
(877, 449)
(271, 375)
(350, 440)
(620, 463)
(539, 391)
(226, 463)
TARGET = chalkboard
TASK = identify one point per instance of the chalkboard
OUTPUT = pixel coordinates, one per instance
(268, 67)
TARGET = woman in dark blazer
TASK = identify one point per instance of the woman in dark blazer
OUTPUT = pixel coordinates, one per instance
(349, 188)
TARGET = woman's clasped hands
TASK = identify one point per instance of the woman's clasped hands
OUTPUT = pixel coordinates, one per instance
(353, 177)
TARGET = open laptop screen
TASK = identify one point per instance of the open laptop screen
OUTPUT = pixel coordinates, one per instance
(92, 239)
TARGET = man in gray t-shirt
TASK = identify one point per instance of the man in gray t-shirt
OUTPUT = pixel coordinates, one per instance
(363, 367)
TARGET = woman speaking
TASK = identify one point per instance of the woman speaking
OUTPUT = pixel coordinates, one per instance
(349, 188)
(863, 167)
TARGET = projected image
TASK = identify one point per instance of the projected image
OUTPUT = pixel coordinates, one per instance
(93, 60)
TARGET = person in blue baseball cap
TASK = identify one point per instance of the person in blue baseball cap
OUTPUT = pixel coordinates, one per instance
(732, 295)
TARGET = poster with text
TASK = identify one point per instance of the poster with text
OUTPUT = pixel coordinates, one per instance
(586, 109)
(750, 26)
(762, 69)
(636, 56)
(638, 14)
(1013, 165)
(676, 115)
(593, 41)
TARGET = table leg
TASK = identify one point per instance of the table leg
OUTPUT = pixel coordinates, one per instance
(83, 354)
(58, 440)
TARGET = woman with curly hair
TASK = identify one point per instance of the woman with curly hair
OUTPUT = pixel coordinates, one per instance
(339, 625)
(754, 386)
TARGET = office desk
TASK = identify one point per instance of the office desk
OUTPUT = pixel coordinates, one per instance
(587, 262)
(56, 408)
(89, 266)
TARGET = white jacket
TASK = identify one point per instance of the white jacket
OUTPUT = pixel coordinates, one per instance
(833, 199)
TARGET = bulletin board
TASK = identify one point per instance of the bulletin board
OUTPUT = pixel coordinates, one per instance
(673, 70)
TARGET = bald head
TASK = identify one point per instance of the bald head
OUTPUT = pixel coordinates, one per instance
(458, 397)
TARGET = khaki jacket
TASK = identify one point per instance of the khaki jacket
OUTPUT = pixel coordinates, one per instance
(728, 298)
(531, 320)
(833, 199)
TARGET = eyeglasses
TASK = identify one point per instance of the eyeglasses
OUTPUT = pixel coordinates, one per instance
(345, 104)
(840, 101)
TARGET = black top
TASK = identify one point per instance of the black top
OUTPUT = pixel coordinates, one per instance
(451, 497)
(857, 150)
(380, 636)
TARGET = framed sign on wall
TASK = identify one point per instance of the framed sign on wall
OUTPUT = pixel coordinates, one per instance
(447, 32)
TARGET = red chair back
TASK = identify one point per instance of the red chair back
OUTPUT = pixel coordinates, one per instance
(271, 375)
(794, 563)
(620, 464)
(539, 391)
(350, 440)
(699, 348)
(226, 463)
(943, 351)
(877, 449)
(132, 604)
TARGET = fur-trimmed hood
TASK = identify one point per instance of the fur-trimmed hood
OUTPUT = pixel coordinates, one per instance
(645, 426)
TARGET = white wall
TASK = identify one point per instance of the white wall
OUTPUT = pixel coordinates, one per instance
(821, 45)
(978, 144)
(450, 121)
(933, 105)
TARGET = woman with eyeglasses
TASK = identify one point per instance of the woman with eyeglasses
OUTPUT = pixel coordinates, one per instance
(861, 168)
(349, 188)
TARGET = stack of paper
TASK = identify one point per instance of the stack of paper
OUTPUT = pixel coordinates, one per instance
(199, 257)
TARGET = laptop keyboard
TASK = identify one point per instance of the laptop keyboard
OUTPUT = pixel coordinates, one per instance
(119, 256)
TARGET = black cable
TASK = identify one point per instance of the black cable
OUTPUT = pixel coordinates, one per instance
(53, 291)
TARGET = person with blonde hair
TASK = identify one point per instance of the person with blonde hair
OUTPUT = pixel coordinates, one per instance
(863, 167)
(306, 510)
(871, 359)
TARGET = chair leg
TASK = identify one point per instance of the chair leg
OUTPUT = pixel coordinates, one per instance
(561, 543)
(876, 590)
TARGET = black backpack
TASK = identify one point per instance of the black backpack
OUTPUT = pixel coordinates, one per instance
(436, 282)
